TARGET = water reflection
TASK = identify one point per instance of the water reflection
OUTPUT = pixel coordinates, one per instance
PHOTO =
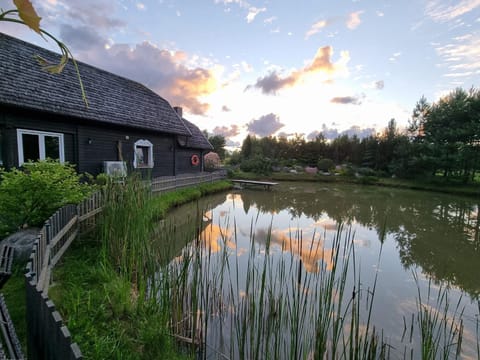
(213, 237)
(311, 251)
(435, 234)
(438, 232)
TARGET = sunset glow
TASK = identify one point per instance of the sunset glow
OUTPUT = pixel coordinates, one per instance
(309, 66)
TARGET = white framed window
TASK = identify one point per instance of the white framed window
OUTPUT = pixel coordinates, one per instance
(143, 154)
(39, 145)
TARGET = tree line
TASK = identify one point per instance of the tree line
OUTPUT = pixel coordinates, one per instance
(443, 138)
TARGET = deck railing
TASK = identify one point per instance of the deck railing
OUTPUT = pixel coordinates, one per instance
(47, 336)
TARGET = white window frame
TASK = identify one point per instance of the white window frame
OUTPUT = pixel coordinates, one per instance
(147, 144)
(41, 144)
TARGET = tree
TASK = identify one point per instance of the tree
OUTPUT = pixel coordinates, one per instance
(451, 127)
(218, 142)
(247, 147)
(419, 116)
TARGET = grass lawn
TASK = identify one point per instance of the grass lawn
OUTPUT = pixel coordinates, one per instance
(437, 184)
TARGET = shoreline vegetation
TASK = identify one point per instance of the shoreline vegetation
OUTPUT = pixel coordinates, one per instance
(437, 184)
(98, 286)
(103, 290)
(113, 308)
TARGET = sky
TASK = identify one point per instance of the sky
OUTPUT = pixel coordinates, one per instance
(276, 67)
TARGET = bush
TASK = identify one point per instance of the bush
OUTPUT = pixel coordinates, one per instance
(325, 165)
(366, 171)
(211, 161)
(258, 165)
(31, 195)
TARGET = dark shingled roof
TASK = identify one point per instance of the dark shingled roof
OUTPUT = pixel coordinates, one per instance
(198, 139)
(112, 98)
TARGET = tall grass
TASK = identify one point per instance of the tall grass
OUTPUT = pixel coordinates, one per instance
(264, 305)
(268, 306)
(126, 231)
(271, 307)
(440, 326)
(106, 290)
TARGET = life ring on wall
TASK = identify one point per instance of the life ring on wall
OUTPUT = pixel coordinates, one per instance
(195, 160)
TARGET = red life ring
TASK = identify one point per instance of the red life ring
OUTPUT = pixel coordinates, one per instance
(195, 160)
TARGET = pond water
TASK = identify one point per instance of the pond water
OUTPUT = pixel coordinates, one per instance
(265, 253)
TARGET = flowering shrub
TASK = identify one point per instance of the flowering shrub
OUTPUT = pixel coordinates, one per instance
(211, 160)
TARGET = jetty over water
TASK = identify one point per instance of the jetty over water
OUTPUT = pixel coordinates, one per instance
(267, 185)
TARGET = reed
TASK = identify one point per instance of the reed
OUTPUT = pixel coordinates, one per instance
(440, 325)
(262, 305)
(269, 306)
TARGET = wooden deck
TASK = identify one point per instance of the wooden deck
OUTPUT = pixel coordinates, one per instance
(267, 185)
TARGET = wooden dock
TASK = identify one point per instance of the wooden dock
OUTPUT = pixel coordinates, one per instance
(267, 185)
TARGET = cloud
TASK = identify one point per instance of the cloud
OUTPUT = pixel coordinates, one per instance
(270, 20)
(266, 125)
(226, 131)
(395, 56)
(161, 70)
(358, 132)
(313, 135)
(440, 12)
(329, 133)
(253, 12)
(462, 57)
(317, 27)
(140, 6)
(80, 38)
(232, 144)
(353, 20)
(273, 82)
(333, 133)
(90, 13)
(376, 85)
(283, 134)
(354, 100)
(240, 3)
(379, 85)
(321, 63)
(187, 87)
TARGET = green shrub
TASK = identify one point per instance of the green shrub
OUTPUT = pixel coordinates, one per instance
(101, 179)
(325, 164)
(366, 171)
(258, 165)
(31, 195)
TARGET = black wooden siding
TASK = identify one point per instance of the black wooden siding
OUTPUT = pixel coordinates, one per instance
(88, 146)
(184, 161)
(113, 144)
(11, 121)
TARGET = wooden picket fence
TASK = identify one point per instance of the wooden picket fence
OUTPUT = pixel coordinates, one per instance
(47, 336)
(168, 183)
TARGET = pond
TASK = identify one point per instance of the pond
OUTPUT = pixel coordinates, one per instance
(311, 270)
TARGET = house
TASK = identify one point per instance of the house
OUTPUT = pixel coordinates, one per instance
(42, 115)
